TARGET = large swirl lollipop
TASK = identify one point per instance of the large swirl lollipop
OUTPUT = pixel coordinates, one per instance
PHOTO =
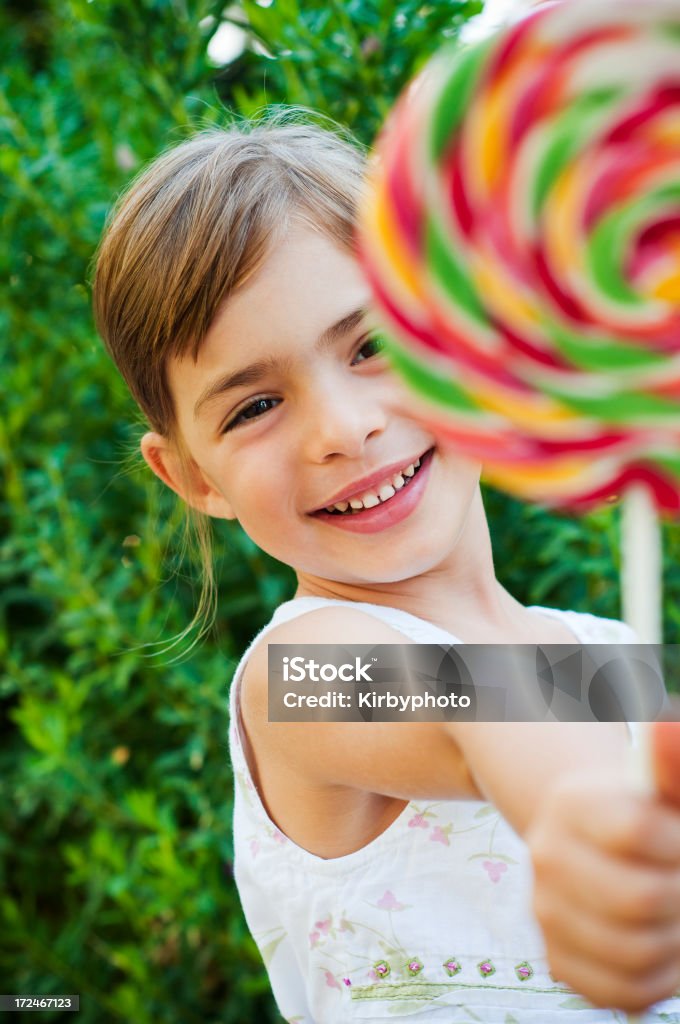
(522, 238)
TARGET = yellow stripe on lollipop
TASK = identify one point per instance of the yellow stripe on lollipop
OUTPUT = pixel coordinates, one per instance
(665, 283)
(501, 294)
(537, 415)
(665, 128)
(492, 115)
(562, 216)
(493, 123)
(381, 223)
(554, 479)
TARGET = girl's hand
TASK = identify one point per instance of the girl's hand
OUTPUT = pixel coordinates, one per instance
(607, 890)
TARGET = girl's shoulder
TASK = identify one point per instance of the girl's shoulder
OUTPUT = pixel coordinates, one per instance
(589, 628)
(311, 621)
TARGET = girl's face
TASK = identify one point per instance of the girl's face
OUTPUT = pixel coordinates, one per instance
(291, 408)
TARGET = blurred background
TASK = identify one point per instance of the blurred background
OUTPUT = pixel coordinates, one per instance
(115, 787)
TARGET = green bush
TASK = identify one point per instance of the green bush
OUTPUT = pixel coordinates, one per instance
(115, 794)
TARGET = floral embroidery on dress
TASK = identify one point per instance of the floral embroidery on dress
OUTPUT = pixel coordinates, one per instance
(494, 869)
(389, 902)
(381, 969)
(524, 971)
(440, 834)
(452, 967)
(486, 968)
(414, 966)
(330, 980)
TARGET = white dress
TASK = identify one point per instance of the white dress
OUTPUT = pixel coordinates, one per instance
(428, 922)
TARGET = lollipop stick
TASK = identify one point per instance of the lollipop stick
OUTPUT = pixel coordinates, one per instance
(641, 600)
(641, 565)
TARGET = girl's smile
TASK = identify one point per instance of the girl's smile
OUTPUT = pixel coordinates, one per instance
(381, 500)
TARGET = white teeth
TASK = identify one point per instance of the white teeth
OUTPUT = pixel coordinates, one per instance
(370, 498)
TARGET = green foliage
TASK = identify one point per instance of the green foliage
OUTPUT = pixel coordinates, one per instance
(115, 796)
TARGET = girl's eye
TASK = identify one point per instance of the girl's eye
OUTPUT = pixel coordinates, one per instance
(372, 346)
(251, 412)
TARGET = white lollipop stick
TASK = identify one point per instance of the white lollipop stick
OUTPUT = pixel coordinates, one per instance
(641, 602)
(641, 565)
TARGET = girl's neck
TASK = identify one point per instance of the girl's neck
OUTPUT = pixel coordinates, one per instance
(458, 594)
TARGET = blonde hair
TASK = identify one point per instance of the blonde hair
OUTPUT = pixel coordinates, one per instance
(189, 231)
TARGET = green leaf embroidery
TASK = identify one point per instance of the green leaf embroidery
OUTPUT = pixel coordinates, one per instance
(575, 1003)
(267, 952)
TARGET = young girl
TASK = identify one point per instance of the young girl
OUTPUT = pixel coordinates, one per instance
(442, 872)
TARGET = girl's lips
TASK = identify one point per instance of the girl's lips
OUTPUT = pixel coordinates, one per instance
(389, 513)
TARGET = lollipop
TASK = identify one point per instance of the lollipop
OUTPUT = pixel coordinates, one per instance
(522, 239)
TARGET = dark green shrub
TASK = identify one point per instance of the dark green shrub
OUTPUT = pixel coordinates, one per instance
(114, 783)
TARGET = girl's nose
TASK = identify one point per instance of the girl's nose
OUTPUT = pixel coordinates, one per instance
(341, 420)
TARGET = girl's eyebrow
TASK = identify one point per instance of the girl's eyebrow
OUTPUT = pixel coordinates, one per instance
(254, 372)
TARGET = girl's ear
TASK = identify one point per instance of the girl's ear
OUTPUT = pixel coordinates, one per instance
(184, 477)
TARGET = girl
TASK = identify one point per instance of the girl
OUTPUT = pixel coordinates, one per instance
(440, 872)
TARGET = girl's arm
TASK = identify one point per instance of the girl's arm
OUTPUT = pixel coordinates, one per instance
(497, 761)
(606, 861)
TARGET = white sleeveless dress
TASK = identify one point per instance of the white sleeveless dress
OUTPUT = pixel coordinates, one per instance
(430, 921)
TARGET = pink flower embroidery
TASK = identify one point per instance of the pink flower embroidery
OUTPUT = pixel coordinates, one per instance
(278, 836)
(440, 835)
(388, 901)
(331, 981)
(254, 847)
(418, 821)
(486, 968)
(313, 939)
(494, 869)
(323, 926)
(347, 982)
(452, 967)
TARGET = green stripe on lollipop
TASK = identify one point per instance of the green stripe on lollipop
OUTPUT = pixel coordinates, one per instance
(626, 407)
(609, 242)
(670, 29)
(432, 386)
(566, 135)
(449, 273)
(455, 94)
(598, 353)
(671, 463)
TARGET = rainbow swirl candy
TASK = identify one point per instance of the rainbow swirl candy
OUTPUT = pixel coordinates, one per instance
(522, 238)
